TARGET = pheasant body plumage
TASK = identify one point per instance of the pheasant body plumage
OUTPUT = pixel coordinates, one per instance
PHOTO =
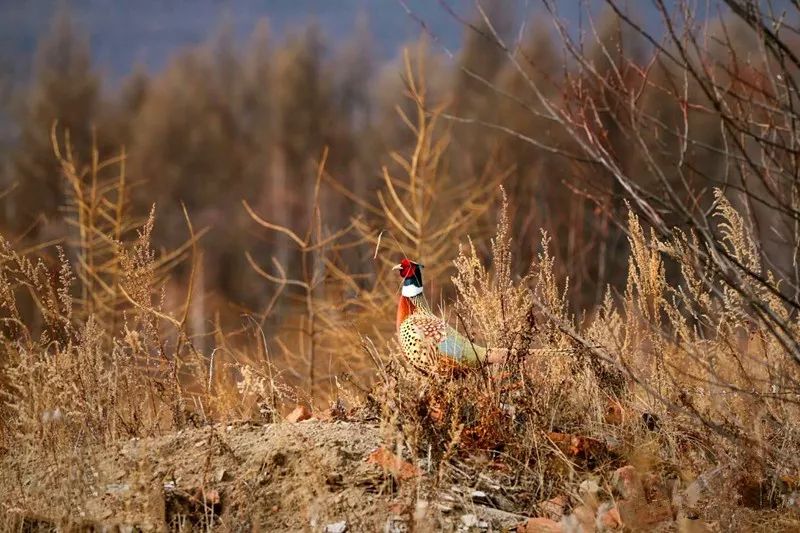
(425, 337)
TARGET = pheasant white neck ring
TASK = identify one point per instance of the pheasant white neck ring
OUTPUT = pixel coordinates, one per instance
(410, 290)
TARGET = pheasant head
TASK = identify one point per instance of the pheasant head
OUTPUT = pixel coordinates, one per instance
(411, 273)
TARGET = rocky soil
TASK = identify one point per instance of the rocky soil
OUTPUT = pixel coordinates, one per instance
(307, 475)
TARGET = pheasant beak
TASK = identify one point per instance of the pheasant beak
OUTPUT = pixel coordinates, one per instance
(397, 267)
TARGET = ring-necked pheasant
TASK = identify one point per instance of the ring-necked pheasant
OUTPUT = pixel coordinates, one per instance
(424, 337)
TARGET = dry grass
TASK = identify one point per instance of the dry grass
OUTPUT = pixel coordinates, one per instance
(90, 353)
(678, 380)
(683, 380)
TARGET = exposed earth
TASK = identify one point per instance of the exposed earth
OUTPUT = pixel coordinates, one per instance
(331, 476)
(308, 476)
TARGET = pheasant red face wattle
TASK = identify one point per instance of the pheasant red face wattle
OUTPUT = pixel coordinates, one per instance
(407, 269)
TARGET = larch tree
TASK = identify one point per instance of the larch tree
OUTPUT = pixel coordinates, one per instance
(64, 89)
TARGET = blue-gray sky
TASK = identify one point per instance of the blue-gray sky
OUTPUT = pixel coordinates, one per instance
(124, 33)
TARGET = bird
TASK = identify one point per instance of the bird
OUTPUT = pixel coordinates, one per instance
(426, 339)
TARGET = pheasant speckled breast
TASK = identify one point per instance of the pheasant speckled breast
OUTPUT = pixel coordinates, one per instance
(420, 335)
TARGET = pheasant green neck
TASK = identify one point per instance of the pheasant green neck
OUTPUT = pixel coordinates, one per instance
(420, 302)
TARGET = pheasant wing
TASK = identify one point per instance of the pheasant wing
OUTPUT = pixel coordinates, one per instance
(458, 347)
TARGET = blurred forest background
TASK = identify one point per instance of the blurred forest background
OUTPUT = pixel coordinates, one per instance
(233, 119)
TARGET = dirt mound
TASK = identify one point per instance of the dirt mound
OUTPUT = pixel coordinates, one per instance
(276, 476)
(306, 476)
(331, 477)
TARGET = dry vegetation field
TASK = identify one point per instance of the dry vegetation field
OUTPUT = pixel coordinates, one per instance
(661, 394)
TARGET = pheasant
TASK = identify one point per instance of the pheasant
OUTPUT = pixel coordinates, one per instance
(424, 337)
